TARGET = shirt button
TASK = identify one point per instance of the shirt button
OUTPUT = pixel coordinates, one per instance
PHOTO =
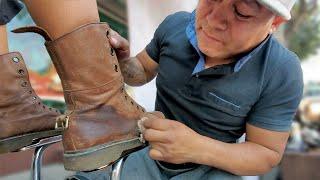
(197, 75)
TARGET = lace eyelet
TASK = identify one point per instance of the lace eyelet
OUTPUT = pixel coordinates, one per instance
(116, 68)
(34, 98)
(15, 59)
(21, 71)
(24, 84)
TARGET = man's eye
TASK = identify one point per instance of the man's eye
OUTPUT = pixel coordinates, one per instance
(241, 15)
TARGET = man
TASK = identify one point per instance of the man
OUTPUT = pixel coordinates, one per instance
(221, 74)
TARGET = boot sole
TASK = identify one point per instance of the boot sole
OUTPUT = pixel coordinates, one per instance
(101, 156)
(14, 144)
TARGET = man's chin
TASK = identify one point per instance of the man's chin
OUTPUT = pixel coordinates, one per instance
(213, 53)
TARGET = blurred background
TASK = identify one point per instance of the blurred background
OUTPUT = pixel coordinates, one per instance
(137, 21)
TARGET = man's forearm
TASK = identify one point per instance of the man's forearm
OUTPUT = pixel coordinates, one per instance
(133, 72)
(241, 159)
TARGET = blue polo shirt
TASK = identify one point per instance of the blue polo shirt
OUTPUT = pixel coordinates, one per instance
(262, 88)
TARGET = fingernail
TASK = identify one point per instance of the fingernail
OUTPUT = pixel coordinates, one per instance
(115, 42)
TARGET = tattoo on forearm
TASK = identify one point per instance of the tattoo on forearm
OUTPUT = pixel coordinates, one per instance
(133, 72)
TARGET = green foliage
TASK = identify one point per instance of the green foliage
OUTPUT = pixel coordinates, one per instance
(306, 39)
(302, 33)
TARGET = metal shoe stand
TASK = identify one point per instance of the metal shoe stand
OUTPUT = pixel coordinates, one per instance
(41, 145)
(116, 169)
(39, 148)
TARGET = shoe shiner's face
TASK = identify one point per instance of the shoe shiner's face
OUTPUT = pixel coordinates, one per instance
(226, 28)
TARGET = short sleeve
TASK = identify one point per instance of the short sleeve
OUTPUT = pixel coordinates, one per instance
(154, 47)
(279, 98)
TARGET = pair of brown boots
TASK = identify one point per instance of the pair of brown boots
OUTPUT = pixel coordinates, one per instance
(100, 125)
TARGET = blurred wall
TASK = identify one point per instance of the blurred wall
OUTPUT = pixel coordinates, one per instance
(144, 17)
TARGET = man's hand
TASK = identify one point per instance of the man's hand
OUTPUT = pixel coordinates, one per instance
(136, 71)
(171, 141)
(120, 44)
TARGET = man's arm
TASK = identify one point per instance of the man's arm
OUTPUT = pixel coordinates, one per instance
(174, 142)
(138, 70)
(261, 152)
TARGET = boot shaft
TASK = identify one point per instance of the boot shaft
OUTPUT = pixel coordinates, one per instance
(86, 64)
(84, 58)
(14, 79)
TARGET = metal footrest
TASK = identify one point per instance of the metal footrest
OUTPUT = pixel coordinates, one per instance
(41, 145)
(39, 148)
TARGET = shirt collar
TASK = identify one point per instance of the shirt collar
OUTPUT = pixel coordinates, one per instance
(192, 37)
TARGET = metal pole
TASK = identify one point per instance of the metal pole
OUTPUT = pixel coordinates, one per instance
(116, 171)
(37, 162)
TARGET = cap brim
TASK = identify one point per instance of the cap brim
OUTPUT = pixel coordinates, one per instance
(277, 7)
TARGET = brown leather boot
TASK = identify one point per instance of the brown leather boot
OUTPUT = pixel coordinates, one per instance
(102, 118)
(23, 117)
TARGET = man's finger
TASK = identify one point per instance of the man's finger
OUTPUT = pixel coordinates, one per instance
(152, 135)
(118, 42)
(156, 154)
(156, 123)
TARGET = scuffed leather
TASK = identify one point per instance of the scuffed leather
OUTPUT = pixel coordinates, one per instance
(21, 110)
(100, 109)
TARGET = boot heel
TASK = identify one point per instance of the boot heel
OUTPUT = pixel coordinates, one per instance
(101, 156)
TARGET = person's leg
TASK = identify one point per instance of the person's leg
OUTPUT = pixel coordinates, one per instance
(100, 126)
(59, 17)
(3, 40)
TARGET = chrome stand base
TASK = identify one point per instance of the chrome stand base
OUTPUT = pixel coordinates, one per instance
(39, 148)
(116, 169)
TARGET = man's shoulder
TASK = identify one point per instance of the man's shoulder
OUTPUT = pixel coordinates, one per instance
(281, 58)
(176, 21)
(281, 67)
(178, 17)
(281, 53)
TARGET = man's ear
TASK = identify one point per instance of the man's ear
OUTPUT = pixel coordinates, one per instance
(276, 23)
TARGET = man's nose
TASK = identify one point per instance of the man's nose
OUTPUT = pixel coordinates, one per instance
(218, 18)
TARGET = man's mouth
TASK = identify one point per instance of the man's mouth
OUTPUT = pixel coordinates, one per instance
(210, 36)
